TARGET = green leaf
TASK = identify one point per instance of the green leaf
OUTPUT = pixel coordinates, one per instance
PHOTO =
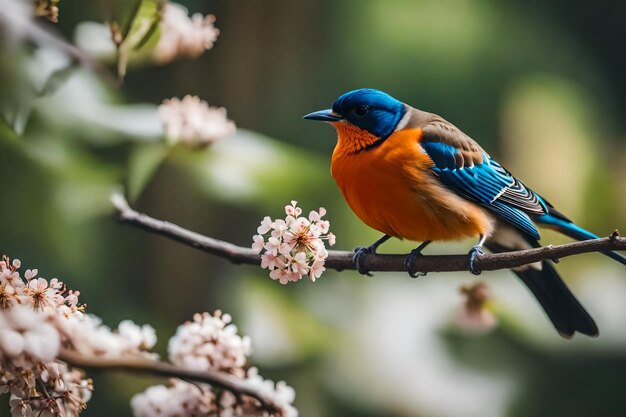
(131, 19)
(140, 30)
(150, 35)
(143, 164)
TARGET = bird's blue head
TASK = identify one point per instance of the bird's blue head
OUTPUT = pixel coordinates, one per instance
(372, 110)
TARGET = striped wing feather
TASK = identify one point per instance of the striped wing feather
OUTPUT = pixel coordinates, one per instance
(463, 166)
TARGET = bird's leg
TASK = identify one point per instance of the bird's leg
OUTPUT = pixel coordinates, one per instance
(474, 252)
(410, 259)
(359, 251)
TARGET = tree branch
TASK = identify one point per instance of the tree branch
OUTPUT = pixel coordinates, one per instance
(138, 364)
(341, 260)
(42, 36)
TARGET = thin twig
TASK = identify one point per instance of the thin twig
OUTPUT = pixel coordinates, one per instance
(49, 400)
(138, 364)
(42, 36)
(341, 260)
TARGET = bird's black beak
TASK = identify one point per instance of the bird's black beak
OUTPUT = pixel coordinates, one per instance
(324, 115)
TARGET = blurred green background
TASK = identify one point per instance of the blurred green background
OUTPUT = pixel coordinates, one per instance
(539, 83)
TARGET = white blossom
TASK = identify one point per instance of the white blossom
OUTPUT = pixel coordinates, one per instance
(209, 342)
(180, 399)
(280, 393)
(44, 296)
(193, 122)
(19, 406)
(182, 36)
(141, 337)
(90, 337)
(25, 332)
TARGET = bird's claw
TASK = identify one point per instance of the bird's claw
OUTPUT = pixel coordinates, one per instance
(473, 253)
(359, 251)
(410, 260)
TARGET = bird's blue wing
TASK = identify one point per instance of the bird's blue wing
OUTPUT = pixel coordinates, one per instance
(464, 167)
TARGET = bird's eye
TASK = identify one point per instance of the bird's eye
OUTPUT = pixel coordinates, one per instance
(361, 111)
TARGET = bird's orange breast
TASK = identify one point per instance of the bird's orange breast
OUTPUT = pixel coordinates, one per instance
(391, 188)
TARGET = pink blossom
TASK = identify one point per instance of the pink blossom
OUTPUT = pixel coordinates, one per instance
(181, 399)
(72, 298)
(272, 245)
(316, 216)
(182, 36)
(271, 262)
(30, 274)
(300, 264)
(9, 297)
(19, 407)
(23, 330)
(280, 227)
(266, 225)
(292, 209)
(192, 122)
(316, 269)
(56, 284)
(300, 225)
(140, 337)
(42, 295)
(284, 276)
(11, 278)
(259, 243)
(209, 342)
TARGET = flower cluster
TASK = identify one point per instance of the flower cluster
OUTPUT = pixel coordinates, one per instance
(178, 399)
(474, 314)
(37, 319)
(88, 336)
(193, 122)
(42, 322)
(182, 399)
(211, 343)
(182, 36)
(295, 245)
(30, 308)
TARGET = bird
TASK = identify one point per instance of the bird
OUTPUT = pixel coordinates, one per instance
(413, 175)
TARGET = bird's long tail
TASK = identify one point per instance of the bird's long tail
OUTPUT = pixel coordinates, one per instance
(561, 224)
(564, 310)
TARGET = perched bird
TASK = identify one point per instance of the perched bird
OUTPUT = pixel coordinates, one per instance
(414, 175)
